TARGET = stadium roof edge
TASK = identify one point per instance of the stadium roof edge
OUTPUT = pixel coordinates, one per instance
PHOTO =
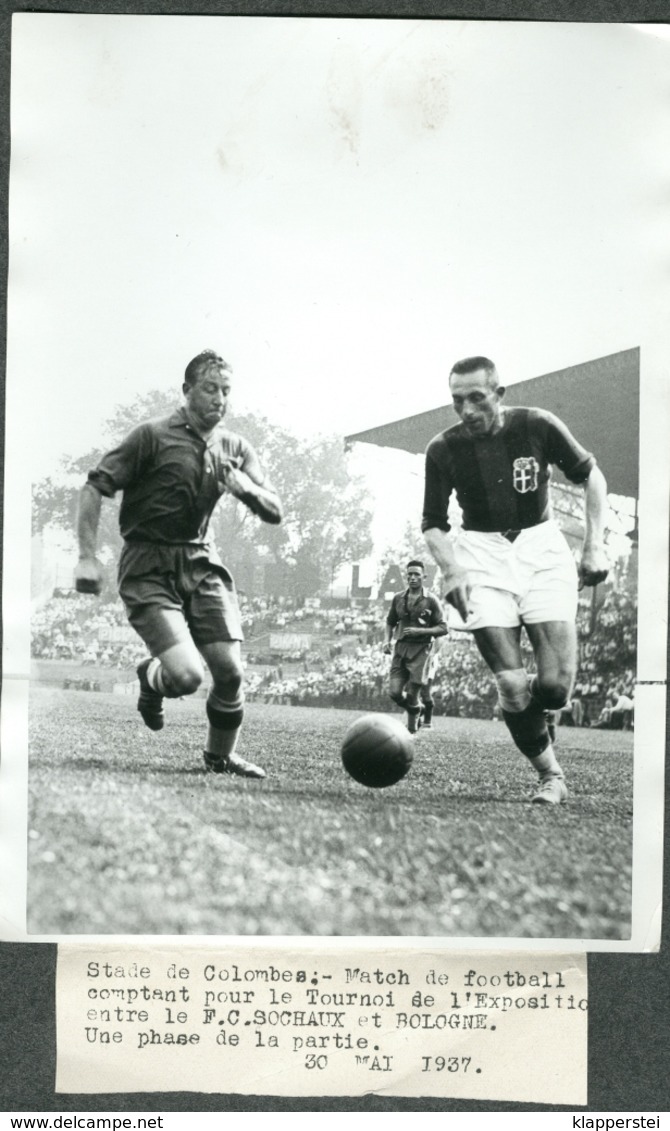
(598, 400)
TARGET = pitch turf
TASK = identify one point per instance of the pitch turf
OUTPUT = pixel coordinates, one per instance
(129, 835)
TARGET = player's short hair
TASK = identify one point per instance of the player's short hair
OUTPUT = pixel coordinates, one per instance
(472, 364)
(415, 562)
(208, 359)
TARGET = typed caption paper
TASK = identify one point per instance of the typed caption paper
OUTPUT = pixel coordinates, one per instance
(264, 1021)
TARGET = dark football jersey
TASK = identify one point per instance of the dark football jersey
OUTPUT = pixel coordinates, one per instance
(426, 612)
(502, 480)
(170, 478)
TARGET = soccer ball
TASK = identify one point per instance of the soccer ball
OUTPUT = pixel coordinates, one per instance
(377, 751)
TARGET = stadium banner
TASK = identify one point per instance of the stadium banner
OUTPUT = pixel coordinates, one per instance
(290, 641)
(115, 634)
(306, 1022)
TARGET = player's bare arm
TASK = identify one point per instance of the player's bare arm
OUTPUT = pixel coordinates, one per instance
(425, 633)
(457, 589)
(389, 630)
(594, 565)
(250, 486)
(88, 573)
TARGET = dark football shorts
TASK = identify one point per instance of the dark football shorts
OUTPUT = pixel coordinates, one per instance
(411, 661)
(176, 592)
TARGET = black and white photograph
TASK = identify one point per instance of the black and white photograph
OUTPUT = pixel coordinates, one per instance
(354, 328)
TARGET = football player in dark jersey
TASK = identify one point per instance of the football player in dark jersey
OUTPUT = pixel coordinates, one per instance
(510, 566)
(179, 596)
(416, 619)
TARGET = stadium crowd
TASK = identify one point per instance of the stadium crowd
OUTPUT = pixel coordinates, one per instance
(343, 664)
(603, 694)
(71, 628)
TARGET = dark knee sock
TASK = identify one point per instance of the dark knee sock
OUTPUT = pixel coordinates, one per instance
(224, 715)
(528, 729)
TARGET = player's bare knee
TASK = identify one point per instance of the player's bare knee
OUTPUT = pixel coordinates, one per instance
(513, 692)
(185, 679)
(228, 681)
(553, 692)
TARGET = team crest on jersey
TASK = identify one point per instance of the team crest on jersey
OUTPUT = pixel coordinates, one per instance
(526, 470)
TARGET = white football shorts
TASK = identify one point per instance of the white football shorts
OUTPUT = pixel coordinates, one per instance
(528, 581)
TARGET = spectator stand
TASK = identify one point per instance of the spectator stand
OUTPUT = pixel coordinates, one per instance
(329, 654)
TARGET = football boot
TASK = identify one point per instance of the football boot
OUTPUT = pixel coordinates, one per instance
(552, 790)
(232, 764)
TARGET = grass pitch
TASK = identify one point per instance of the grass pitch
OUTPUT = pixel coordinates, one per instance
(129, 835)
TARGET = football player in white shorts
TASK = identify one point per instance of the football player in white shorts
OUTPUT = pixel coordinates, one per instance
(510, 566)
